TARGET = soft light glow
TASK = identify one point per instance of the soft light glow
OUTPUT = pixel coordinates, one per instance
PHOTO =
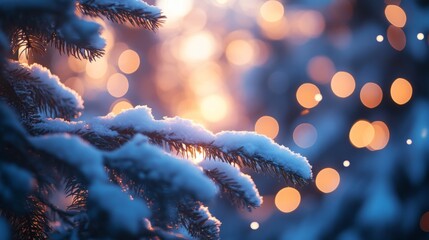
(343, 84)
(396, 38)
(76, 84)
(395, 15)
(420, 36)
(175, 9)
(274, 30)
(214, 108)
(128, 61)
(361, 134)
(409, 141)
(198, 47)
(199, 157)
(120, 105)
(254, 225)
(424, 222)
(240, 52)
(346, 163)
(327, 180)
(97, 69)
(401, 91)
(287, 199)
(381, 136)
(272, 11)
(117, 85)
(76, 65)
(371, 95)
(267, 126)
(320, 69)
(379, 38)
(310, 23)
(305, 135)
(306, 95)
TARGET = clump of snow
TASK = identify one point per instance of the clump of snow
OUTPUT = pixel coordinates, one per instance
(157, 165)
(75, 152)
(131, 5)
(53, 82)
(141, 119)
(4, 229)
(110, 203)
(258, 145)
(233, 173)
(59, 125)
(82, 33)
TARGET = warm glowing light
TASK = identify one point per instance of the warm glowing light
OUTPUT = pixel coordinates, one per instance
(420, 36)
(396, 38)
(343, 84)
(120, 105)
(76, 65)
(23, 54)
(320, 69)
(175, 9)
(206, 79)
(346, 163)
(240, 52)
(381, 136)
(361, 134)
(128, 61)
(401, 91)
(327, 180)
(267, 126)
(199, 157)
(76, 84)
(305, 135)
(371, 95)
(310, 23)
(409, 141)
(198, 47)
(117, 85)
(318, 97)
(306, 95)
(214, 108)
(97, 69)
(287, 199)
(424, 222)
(254, 225)
(274, 30)
(395, 15)
(379, 38)
(272, 11)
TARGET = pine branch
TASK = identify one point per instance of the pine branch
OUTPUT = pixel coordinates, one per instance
(239, 188)
(199, 222)
(78, 51)
(137, 13)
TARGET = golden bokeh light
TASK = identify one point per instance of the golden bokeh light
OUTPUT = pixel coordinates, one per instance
(346, 163)
(120, 105)
(361, 134)
(117, 85)
(129, 61)
(327, 180)
(343, 84)
(401, 91)
(320, 69)
(206, 79)
(97, 69)
(199, 157)
(306, 95)
(305, 135)
(287, 199)
(371, 95)
(395, 15)
(310, 23)
(379, 38)
(267, 126)
(76, 84)
(254, 225)
(396, 38)
(271, 11)
(175, 9)
(76, 65)
(274, 30)
(409, 141)
(424, 222)
(214, 108)
(240, 52)
(420, 36)
(197, 47)
(381, 136)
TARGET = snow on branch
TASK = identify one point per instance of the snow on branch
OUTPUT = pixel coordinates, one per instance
(38, 92)
(135, 12)
(238, 187)
(143, 162)
(245, 149)
(199, 222)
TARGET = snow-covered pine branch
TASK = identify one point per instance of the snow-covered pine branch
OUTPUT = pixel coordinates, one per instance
(135, 12)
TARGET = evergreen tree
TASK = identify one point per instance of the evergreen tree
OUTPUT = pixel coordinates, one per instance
(128, 176)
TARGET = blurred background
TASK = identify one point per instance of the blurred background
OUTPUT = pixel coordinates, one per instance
(343, 82)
